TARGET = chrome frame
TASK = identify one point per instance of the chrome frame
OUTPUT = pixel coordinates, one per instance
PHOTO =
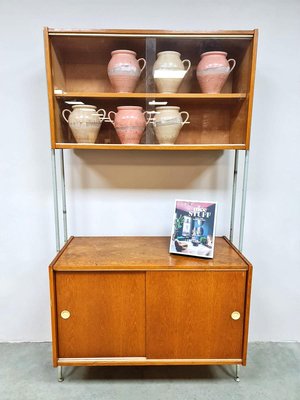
(60, 376)
(244, 196)
(233, 199)
(55, 197)
(237, 373)
(63, 195)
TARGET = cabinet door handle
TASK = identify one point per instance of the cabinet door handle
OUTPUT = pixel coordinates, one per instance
(235, 315)
(65, 314)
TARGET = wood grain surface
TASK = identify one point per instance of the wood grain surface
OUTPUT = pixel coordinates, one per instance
(189, 315)
(107, 314)
(141, 253)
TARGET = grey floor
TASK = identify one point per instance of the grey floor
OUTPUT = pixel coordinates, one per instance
(273, 372)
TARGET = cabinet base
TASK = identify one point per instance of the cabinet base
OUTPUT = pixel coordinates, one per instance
(92, 362)
(142, 361)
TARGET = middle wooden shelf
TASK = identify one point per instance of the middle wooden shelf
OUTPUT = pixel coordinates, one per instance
(200, 96)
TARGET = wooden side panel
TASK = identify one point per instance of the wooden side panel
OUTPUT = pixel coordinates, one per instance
(251, 90)
(107, 314)
(50, 86)
(189, 314)
(247, 314)
(53, 316)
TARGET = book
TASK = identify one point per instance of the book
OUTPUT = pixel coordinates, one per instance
(193, 232)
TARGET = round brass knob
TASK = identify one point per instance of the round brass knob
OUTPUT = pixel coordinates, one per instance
(65, 314)
(235, 315)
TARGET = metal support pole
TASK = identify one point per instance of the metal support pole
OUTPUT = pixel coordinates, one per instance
(54, 183)
(60, 377)
(63, 194)
(243, 206)
(234, 187)
(237, 373)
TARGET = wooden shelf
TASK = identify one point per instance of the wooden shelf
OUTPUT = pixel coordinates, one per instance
(200, 96)
(159, 147)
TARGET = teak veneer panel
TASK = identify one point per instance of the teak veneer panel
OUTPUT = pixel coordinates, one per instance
(141, 253)
(189, 314)
(107, 314)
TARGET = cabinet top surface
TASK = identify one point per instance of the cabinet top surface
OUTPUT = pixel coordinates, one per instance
(140, 253)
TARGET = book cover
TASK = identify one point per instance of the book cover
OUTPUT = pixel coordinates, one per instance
(193, 232)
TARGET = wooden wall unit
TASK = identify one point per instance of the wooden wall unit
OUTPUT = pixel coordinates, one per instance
(126, 300)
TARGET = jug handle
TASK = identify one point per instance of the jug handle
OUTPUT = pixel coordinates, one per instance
(187, 117)
(233, 63)
(145, 113)
(109, 117)
(103, 113)
(144, 61)
(63, 114)
(188, 65)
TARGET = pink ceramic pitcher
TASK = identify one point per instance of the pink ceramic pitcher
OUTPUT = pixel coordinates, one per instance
(213, 71)
(129, 123)
(124, 70)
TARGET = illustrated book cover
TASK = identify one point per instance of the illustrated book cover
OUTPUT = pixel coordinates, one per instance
(193, 231)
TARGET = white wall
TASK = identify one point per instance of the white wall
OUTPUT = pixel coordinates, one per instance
(107, 191)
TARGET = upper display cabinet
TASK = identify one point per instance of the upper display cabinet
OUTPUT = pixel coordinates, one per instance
(150, 90)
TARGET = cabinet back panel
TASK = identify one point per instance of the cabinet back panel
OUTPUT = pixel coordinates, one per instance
(84, 61)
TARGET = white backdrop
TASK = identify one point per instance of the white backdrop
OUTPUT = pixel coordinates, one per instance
(111, 193)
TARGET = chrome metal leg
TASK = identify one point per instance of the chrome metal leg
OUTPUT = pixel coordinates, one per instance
(54, 182)
(63, 194)
(243, 206)
(234, 187)
(60, 377)
(237, 373)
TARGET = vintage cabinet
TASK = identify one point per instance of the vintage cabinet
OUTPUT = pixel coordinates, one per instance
(114, 305)
(127, 301)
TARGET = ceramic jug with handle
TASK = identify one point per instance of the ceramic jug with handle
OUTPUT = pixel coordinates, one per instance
(124, 70)
(84, 122)
(169, 71)
(168, 122)
(129, 123)
(213, 71)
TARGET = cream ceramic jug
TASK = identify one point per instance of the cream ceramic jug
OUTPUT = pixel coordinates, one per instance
(168, 122)
(169, 71)
(84, 122)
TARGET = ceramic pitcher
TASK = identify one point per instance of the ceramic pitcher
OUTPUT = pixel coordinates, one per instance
(213, 71)
(168, 122)
(129, 123)
(169, 71)
(84, 122)
(124, 70)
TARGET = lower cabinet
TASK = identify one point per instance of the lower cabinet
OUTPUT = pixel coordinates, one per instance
(157, 315)
(128, 301)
